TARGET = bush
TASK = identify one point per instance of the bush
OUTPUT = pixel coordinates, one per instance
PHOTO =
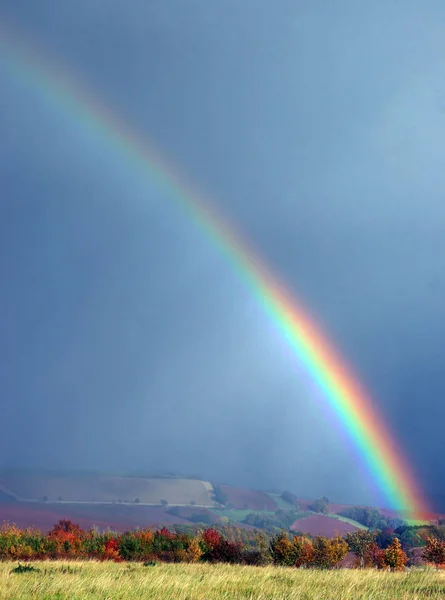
(227, 552)
(255, 558)
(24, 569)
(129, 547)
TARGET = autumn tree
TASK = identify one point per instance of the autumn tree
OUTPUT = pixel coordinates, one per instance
(67, 535)
(66, 526)
(281, 550)
(338, 550)
(375, 557)
(360, 543)
(302, 551)
(395, 557)
(211, 538)
(328, 552)
(194, 550)
(434, 551)
(262, 548)
(228, 552)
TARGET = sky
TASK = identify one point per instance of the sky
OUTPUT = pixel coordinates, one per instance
(127, 342)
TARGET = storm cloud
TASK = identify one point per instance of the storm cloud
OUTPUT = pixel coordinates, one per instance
(127, 341)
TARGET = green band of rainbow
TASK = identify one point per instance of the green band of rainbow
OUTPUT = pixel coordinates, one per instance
(340, 388)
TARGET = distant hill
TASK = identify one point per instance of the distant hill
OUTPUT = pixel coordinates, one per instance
(244, 499)
(100, 489)
(103, 516)
(124, 502)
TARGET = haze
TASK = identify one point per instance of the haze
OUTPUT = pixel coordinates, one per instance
(127, 342)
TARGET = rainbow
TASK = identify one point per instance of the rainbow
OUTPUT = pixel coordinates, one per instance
(341, 389)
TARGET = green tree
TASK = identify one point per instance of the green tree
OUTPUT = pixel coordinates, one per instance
(219, 495)
(290, 498)
(262, 546)
(371, 518)
(320, 505)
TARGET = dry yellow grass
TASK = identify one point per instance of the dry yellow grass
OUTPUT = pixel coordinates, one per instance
(110, 581)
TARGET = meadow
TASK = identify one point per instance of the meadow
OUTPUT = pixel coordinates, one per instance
(88, 580)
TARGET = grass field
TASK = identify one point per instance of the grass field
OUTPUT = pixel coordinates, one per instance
(124, 581)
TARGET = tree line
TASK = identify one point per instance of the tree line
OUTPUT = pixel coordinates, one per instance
(67, 540)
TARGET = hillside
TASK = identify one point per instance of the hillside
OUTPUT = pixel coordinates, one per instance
(93, 489)
(124, 502)
(244, 499)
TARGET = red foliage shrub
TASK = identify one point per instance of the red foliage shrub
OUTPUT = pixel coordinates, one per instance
(375, 557)
(165, 533)
(211, 538)
(68, 538)
(434, 551)
(228, 552)
(112, 550)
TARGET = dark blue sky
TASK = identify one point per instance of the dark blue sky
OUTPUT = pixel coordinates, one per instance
(126, 342)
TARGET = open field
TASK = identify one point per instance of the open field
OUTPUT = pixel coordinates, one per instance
(244, 499)
(103, 489)
(124, 581)
(119, 517)
(323, 525)
(124, 516)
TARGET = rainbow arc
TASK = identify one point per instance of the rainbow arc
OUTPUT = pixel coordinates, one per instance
(339, 386)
